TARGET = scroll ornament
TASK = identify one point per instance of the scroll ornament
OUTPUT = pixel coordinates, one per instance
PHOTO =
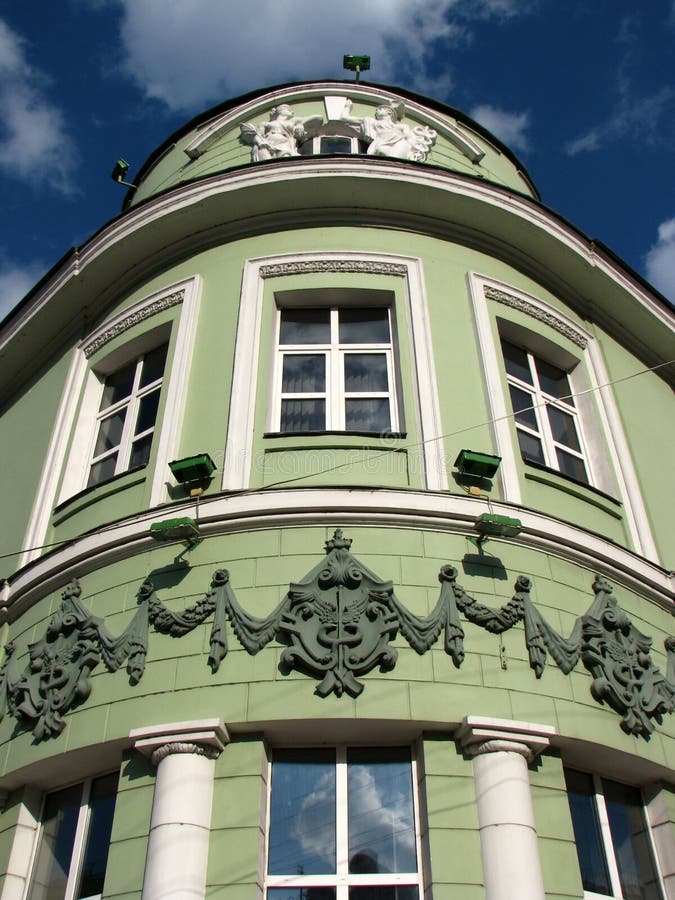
(336, 626)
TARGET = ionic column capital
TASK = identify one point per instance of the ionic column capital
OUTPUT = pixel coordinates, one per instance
(478, 735)
(206, 737)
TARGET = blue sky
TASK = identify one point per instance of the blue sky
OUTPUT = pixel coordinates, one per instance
(582, 90)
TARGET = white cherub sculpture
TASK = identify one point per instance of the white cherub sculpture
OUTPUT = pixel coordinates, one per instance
(279, 137)
(387, 135)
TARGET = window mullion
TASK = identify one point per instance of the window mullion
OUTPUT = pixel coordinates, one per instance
(541, 413)
(79, 843)
(336, 388)
(129, 422)
(606, 832)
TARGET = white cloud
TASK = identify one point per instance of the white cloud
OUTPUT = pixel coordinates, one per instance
(201, 51)
(660, 260)
(509, 127)
(15, 282)
(34, 145)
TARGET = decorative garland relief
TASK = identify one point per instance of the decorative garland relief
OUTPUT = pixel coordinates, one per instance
(336, 625)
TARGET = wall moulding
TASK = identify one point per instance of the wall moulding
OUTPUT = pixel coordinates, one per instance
(452, 514)
(336, 625)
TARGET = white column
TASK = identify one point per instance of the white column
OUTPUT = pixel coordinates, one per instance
(501, 751)
(178, 844)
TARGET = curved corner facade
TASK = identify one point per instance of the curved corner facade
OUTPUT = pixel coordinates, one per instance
(338, 557)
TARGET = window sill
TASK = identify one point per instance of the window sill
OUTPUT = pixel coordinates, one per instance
(375, 435)
(97, 492)
(586, 492)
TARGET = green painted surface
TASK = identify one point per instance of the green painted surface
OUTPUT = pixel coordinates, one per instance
(25, 432)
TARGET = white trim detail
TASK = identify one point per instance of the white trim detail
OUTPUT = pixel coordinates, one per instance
(450, 513)
(239, 445)
(135, 314)
(24, 844)
(481, 290)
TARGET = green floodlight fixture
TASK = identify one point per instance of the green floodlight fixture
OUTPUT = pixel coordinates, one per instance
(491, 525)
(192, 469)
(478, 465)
(185, 530)
(356, 64)
(119, 172)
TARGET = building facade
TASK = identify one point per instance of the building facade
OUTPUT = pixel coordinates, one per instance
(396, 621)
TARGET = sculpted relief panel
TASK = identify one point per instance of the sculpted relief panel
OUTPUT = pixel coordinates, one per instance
(336, 625)
(382, 134)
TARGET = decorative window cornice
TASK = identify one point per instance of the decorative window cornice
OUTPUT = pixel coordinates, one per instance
(139, 315)
(531, 309)
(311, 266)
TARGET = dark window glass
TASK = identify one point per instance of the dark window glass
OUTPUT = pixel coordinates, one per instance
(367, 414)
(364, 326)
(531, 448)
(366, 372)
(590, 850)
(381, 820)
(110, 432)
(305, 326)
(303, 415)
(523, 407)
(140, 452)
(153, 365)
(304, 893)
(50, 874)
(118, 385)
(631, 844)
(571, 465)
(553, 381)
(304, 373)
(516, 362)
(147, 412)
(563, 427)
(102, 808)
(391, 892)
(102, 471)
(335, 144)
(302, 814)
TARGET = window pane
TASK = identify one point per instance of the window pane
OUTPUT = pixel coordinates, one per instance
(302, 814)
(571, 465)
(553, 381)
(52, 865)
(102, 806)
(305, 893)
(364, 326)
(303, 415)
(140, 452)
(110, 432)
(367, 414)
(522, 404)
(366, 372)
(516, 362)
(102, 471)
(336, 145)
(563, 427)
(118, 385)
(305, 326)
(530, 448)
(592, 862)
(153, 365)
(147, 412)
(391, 892)
(304, 374)
(631, 845)
(381, 821)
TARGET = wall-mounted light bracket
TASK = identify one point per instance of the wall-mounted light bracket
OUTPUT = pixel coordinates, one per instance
(356, 64)
(191, 470)
(490, 525)
(169, 530)
(476, 464)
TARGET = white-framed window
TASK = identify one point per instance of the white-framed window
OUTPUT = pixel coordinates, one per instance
(72, 851)
(342, 825)
(335, 370)
(127, 415)
(613, 839)
(546, 415)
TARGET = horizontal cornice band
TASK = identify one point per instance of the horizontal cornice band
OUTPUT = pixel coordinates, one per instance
(259, 510)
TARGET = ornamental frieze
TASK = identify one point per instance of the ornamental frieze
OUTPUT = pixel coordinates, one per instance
(337, 625)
